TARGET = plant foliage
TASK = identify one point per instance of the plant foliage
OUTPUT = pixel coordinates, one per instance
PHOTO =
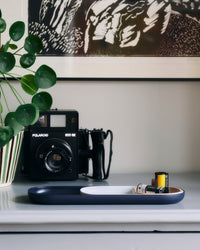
(44, 77)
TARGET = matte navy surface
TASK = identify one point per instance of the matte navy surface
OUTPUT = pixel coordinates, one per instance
(70, 195)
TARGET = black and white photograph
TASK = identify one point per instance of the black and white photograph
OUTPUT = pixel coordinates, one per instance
(116, 28)
(114, 39)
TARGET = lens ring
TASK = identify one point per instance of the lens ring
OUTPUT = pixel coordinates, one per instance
(57, 155)
(57, 160)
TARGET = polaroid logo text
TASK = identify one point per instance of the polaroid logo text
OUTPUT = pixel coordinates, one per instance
(70, 135)
(40, 135)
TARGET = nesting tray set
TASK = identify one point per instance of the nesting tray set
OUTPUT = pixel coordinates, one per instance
(85, 195)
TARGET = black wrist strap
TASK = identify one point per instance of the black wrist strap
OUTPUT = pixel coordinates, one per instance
(106, 173)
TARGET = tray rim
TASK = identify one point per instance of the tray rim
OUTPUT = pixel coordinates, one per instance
(49, 198)
(179, 191)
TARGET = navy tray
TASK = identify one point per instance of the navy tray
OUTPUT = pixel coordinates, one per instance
(71, 195)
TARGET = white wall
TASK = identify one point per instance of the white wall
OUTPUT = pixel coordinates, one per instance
(156, 125)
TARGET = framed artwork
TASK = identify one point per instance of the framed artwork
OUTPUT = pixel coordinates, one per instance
(114, 39)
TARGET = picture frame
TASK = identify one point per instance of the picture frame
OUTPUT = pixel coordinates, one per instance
(107, 67)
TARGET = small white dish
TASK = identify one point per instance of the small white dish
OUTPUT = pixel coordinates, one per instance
(107, 190)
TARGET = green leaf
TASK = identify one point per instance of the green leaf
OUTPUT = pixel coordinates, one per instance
(7, 61)
(17, 30)
(10, 121)
(27, 114)
(33, 44)
(45, 77)
(28, 84)
(2, 25)
(13, 46)
(6, 133)
(5, 47)
(43, 100)
(27, 60)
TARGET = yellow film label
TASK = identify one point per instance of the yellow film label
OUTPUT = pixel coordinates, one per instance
(161, 180)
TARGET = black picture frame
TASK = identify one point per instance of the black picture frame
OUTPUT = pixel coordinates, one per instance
(104, 67)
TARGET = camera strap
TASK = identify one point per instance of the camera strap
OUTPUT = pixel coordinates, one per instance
(97, 154)
(106, 173)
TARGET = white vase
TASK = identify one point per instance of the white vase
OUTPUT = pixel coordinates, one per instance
(9, 156)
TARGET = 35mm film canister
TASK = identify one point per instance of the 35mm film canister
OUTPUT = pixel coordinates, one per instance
(143, 188)
(162, 180)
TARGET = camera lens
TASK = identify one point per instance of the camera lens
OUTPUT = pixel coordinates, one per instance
(57, 160)
(55, 155)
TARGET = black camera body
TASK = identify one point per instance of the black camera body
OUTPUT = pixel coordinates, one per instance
(55, 148)
(51, 146)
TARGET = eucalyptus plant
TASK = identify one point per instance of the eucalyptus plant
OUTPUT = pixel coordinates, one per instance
(44, 77)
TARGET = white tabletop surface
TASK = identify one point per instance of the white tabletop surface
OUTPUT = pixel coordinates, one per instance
(19, 214)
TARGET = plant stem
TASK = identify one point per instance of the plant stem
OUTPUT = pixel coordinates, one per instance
(4, 98)
(18, 94)
(19, 81)
(1, 120)
(12, 75)
(14, 91)
(18, 50)
(18, 66)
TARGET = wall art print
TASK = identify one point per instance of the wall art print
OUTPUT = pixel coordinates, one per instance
(115, 39)
(117, 27)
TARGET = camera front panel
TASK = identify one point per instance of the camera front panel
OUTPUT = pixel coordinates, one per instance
(51, 146)
(54, 157)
